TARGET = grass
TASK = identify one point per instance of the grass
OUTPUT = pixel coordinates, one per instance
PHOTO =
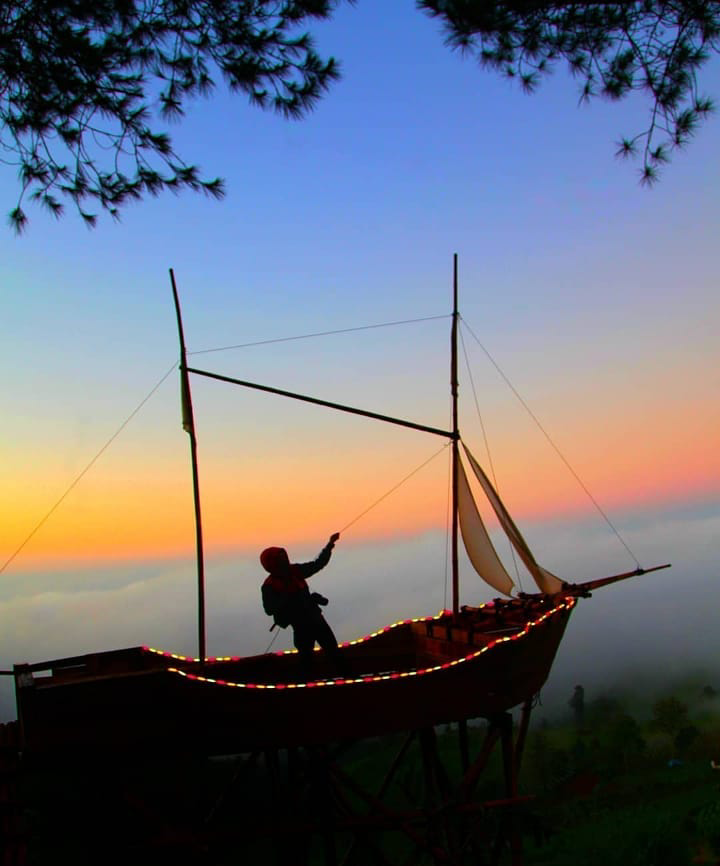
(650, 817)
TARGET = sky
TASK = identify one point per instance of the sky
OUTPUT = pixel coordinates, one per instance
(597, 299)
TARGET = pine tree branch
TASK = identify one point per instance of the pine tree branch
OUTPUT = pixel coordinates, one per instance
(653, 46)
(86, 81)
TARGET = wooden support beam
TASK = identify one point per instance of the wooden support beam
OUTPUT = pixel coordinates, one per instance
(386, 782)
(474, 771)
(397, 820)
(243, 766)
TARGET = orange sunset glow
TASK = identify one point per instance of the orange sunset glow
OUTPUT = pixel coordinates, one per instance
(124, 509)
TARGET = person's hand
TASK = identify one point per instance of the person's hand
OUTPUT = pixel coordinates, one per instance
(333, 538)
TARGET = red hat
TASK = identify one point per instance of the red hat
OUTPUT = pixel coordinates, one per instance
(274, 559)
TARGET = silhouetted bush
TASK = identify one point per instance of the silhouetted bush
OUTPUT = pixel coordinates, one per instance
(684, 738)
(602, 710)
(669, 716)
(624, 742)
(707, 825)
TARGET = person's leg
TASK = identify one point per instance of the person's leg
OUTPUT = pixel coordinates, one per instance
(304, 640)
(325, 636)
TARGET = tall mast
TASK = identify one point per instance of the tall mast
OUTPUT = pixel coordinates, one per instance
(456, 436)
(188, 422)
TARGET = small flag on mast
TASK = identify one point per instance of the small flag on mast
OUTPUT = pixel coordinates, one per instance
(187, 415)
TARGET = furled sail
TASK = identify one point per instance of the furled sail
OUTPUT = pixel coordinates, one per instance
(477, 541)
(546, 581)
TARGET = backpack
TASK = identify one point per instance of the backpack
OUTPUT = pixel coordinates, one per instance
(272, 605)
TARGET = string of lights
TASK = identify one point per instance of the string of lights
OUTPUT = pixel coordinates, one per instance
(567, 604)
(292, 651)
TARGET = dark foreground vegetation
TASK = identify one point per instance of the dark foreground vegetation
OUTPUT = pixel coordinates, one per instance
(613, 781)
(638, 789)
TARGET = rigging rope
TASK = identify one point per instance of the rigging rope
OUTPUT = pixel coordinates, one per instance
(318, 334)
(90, 464)
(554, 446)
(274, 638)
(107, 444)
(487, 449)
(393, 489)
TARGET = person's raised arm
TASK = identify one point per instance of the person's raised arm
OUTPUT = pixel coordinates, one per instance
(307, 569)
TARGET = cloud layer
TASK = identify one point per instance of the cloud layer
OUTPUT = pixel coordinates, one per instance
(658, 624)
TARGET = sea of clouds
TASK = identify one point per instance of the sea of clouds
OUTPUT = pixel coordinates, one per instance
(646, 631)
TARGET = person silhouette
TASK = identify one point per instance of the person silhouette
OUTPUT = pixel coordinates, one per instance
(287, 599)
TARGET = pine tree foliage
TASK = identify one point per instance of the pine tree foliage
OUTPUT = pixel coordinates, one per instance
(83, 84)
(652, 46)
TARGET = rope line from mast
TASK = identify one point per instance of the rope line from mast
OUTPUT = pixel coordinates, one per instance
(553, 445)
(487, 449)
(394, 488)
(272, 641)
(318, 334)
(89, 466)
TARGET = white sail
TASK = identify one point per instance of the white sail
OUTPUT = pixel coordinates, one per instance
(477, 541)
(546, 581)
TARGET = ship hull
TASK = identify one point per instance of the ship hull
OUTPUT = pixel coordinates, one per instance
(410, 675)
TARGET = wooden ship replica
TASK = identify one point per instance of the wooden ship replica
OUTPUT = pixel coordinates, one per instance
(470, 662)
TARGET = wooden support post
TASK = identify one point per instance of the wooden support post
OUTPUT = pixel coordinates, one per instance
(474, 771)
(431, 801)
(386, 782)
(511, 788)
(464, 745)
(522, 733)
(293, 770)
(508, 754)
(427, 743)
(13, 833)
(326, 807)
(272, 765)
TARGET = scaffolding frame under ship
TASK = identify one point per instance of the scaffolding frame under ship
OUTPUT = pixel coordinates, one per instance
(408, 677)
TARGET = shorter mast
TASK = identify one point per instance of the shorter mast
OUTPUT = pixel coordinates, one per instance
(456, 437)
(188, 422)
